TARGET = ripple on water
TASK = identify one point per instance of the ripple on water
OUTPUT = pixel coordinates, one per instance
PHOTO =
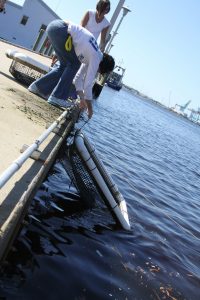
(66, 249)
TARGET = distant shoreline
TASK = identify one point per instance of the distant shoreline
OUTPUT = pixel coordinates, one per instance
(146, 98)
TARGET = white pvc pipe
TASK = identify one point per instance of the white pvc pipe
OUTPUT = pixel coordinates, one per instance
(96, 159)
(123, 219)
(16, 165)
(23, 58)
(107, 178)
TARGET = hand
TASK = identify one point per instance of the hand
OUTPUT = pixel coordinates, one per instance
(89, 109)
(90, 113)
(82, 105)
(86, 104)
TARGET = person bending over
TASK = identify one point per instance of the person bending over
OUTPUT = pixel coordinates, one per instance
(74, 46)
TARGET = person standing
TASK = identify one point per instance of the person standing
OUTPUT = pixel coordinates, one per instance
(73, 45)
(96, 22)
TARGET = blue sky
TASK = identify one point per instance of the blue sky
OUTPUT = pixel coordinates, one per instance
(158, 43)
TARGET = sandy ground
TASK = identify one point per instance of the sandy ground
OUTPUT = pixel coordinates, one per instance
(23, 116)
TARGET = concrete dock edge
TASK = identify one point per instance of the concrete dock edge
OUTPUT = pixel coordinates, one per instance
(25, 189)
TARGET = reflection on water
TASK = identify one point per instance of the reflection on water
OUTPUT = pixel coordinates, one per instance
(68, 251)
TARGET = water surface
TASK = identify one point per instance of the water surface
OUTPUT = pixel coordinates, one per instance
(79, 253)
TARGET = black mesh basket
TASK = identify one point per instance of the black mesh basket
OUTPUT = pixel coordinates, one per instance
(83, 180)
(24, 72)
(79, 175)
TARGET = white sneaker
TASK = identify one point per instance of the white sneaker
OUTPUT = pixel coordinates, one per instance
(60, 102)
(34, 89)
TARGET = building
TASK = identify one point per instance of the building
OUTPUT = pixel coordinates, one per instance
(25, 25)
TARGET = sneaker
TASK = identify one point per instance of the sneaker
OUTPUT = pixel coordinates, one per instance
(60, 102)
(34, 89)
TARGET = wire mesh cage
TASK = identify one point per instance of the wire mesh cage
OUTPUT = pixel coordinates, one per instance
(95, 187)
(79, 175)
(24, 72)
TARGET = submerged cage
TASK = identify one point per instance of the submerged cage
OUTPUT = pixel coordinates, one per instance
(25, 72)
(79, 175)
(93, 181)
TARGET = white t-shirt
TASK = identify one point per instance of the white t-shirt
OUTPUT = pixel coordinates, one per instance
(94, 27)
(88, 53)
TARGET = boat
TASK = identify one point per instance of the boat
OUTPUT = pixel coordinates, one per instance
(114, 80)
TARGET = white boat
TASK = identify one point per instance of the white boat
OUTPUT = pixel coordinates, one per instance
(115, 78)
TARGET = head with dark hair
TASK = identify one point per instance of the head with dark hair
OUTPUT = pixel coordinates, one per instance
(2, 6)
(103, 6)
(107, 64)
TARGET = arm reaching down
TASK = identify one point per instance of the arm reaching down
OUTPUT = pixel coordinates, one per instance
(85, 104)
(89, 108)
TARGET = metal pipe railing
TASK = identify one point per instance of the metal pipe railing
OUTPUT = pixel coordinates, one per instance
(16, 165)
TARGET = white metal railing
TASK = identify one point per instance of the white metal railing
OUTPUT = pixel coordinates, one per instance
(16, 165)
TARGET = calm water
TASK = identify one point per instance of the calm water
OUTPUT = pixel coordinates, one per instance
(79, 253)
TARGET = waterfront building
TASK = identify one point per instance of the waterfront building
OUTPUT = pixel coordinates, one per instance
(25, 25)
